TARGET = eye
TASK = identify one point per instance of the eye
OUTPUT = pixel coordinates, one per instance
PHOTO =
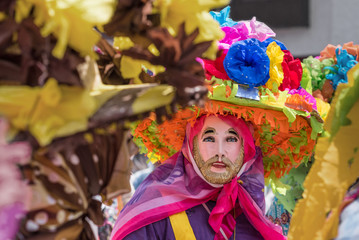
(232, 139)
(208, 139)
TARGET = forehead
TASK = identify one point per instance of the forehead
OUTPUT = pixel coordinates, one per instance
(215, 123)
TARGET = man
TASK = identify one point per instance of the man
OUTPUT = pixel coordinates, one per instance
(211, 189)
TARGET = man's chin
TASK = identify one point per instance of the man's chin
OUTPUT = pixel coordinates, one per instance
(217, 178)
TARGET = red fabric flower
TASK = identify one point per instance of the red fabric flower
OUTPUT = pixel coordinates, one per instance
(216, 68)
(292, 69)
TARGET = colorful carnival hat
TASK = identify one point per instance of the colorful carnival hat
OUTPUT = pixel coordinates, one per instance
(256, 78)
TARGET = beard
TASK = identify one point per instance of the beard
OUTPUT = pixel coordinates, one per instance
(231, 169)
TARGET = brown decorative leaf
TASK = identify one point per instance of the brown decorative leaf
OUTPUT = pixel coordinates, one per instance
(109, 64)
(7, 28)
(147, 78)
(28, 61)
(9, 73)
(132, 17)
(326, 93)
(7, 6)
(327, 90)
(67, 174)
(178, 55)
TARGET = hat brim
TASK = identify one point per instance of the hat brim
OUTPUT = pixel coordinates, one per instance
(284, 143)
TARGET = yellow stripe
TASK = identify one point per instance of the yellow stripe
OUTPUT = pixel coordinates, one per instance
(181, 226)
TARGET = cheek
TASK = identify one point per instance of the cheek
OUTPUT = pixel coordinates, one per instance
(207, 150)
(233, 150)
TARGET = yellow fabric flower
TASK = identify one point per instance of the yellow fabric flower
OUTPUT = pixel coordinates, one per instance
(72, 22)
(122, 43)
(47, 112)
(131, 68)
(195, 14)
(276, 56)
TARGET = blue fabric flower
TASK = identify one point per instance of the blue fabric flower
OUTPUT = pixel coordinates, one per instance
(223, 17)
(270, 40)
(247, 63)
(345, 62)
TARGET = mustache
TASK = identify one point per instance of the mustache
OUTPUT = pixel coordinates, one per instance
(214, 159)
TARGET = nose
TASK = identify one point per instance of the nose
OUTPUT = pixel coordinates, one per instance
(220, 155)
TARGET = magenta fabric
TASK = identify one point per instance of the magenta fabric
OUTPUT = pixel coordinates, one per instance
(232, 35)
(244, 30)
(307, 96)
(175, 186)
(221, 216)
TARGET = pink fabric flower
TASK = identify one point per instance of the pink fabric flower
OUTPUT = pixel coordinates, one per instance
(233, 34)
(256, 29)
(244, 30)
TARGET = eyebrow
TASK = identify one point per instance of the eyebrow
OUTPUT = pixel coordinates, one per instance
(208, 130)
(232, 131)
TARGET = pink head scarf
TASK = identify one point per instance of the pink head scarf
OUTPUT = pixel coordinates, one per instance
(176, 186)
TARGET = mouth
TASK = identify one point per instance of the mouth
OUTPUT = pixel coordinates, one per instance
(219, 164)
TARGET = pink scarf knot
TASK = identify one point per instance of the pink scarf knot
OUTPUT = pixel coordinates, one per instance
(221, 216)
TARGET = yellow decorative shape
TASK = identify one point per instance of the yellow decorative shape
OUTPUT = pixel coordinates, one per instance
(131, 68)
(275, 55)
(181, 227)
(72, 22)
(47, 112)
(122, 43)
(336, 167)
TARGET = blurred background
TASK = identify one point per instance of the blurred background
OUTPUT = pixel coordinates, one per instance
(304, 26)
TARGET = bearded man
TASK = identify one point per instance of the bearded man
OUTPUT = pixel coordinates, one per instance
(211, 189)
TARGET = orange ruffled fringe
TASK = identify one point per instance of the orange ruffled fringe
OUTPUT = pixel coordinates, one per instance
(283, 144)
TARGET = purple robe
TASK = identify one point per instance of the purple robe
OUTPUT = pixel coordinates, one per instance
(198, 218)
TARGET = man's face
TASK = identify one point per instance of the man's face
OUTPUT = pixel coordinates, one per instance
(218, 151)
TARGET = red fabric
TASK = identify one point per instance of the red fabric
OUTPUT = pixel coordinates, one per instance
(215, 67)
(292, 69)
